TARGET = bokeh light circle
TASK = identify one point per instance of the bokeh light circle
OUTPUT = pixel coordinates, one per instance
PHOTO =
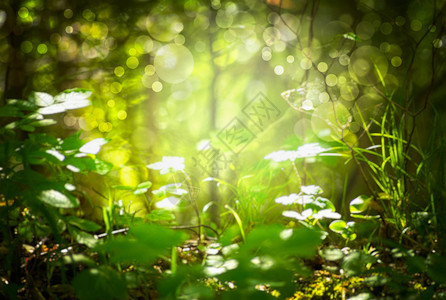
(368, 65)
(324, 123)
(174, 63)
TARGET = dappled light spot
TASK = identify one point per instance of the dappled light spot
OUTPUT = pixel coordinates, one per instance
(173, 63)
(111, 103)
(437, 43)
(26, 47)
(119, 71)
(288, 26)
(278, 70)
(98, 30)
(266, 54)
(115, 87)
(368, 65)
(386, 28)
(68, 13)
(157, 86)
(416, 25)
(132, 62)
(42, 48)
(396, 61)
(224, 18)
(366, 107)
(271, 35)
(122, 115)
(349, 91)
(182, 91)
(324, 123)
(331, 80)
(365, 30)
(400, 20)
(344, 60)
(331, 37)
(143, 44)
(322, 67)
(105, 127)
(305, 63)
(163, 26)
(179, 39)
(129, 176)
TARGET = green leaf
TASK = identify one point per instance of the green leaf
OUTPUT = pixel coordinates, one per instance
(355, 263)
(332, 254)
(72, 142)
(157, 215)
(52, 109)
(338, 226)
(143, 244)
(21, 104)
(42, 123)
(27, 128)
(436, 269)
(44, 139)
(102, 167)
(83, 224)
(10, 111)
(351, 36)
(93, 146)
(82, 237)
(122, 187)
(73, 95)
(144, 185)
(42, 99)
(359, 204)
(78, 259)
(100, 283)
(57, 199)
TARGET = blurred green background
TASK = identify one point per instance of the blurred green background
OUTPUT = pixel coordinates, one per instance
(181, 78)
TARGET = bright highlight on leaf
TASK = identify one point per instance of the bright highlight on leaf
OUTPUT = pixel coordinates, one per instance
(168, 164)
(57, 199)
(68, 100)
(94, 146)
(307, 150)
(168, 203)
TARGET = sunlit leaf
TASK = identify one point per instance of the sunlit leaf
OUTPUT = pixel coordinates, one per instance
(43, 99)
(52, 109)
(168, 203)
(168, 164)
(287, 200)
(332, 254)
(338, 226)
(83, 238)
(101, 167)
(94, 146)
(173, 188)
(298, 216)
(83, 224)
(57, 199)
(144, 185)
(73, 95)
(326, 213)
(359, 204)
(157, 215)
(311, 189)
(43, 123)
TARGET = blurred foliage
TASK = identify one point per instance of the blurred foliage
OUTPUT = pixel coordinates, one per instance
(208, 117)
